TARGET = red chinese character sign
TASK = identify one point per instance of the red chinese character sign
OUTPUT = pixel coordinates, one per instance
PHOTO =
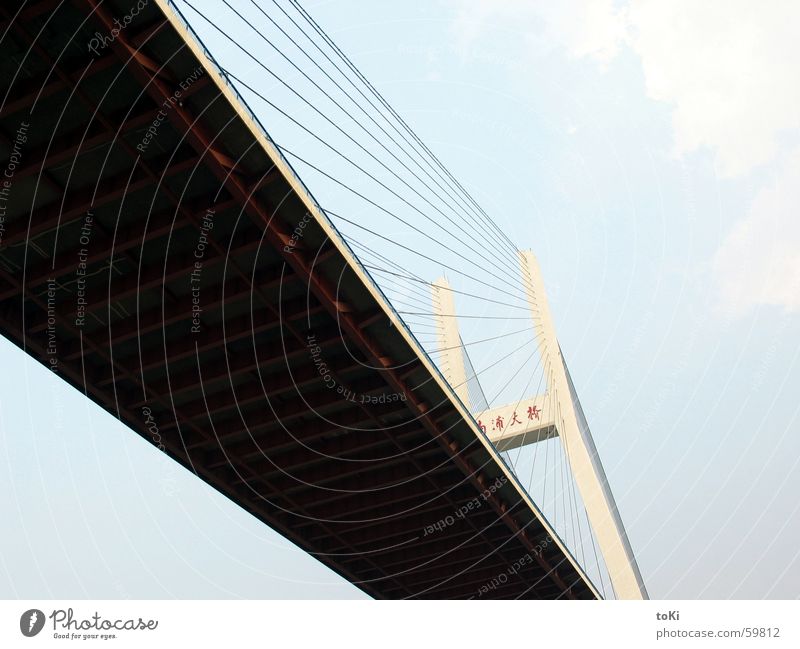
(518, 423)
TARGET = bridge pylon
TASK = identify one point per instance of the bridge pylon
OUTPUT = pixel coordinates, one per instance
(556, 413)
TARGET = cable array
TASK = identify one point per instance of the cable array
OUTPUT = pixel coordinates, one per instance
(408, 220)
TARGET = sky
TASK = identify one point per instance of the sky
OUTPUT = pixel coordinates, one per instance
(647, 152)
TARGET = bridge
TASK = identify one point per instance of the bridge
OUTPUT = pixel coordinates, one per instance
(159, 253)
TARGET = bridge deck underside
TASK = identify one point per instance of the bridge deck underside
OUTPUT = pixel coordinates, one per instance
(274, 375)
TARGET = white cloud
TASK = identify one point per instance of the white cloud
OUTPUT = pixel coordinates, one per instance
(728, 67)
(759, 261)
(730, 70)
(590, 28)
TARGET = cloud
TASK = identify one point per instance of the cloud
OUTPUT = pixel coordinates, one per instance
(585, 28)
(759, 261)
(729, 69)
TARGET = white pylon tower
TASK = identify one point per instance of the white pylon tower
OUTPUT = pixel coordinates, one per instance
(540, 417)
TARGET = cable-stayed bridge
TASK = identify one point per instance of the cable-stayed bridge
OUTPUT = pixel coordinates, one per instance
(160, 253)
